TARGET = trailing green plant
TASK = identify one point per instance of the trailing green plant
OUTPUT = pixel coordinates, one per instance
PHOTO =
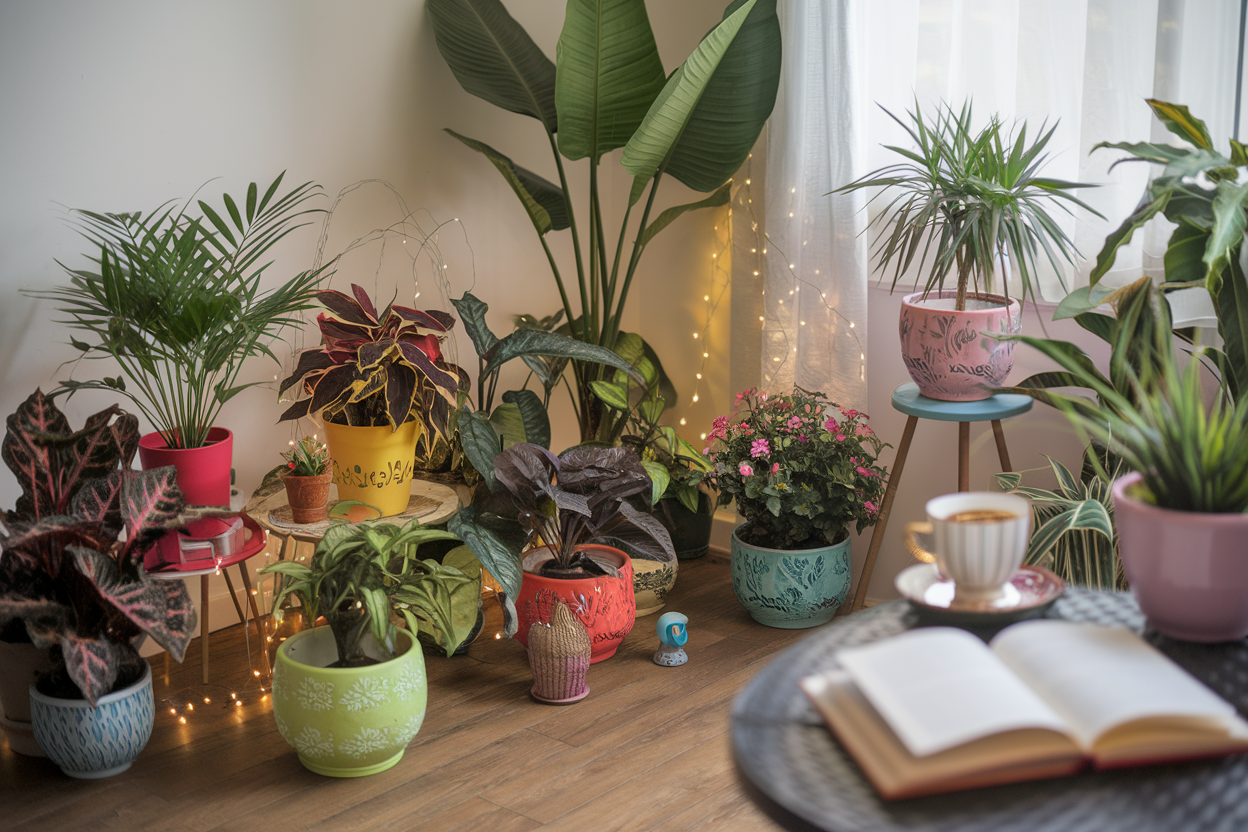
(372, 370)
(1073, 532)
(363, 577)
(1192, 457)
(798, 475)
(971, 199)
(607, 89)
(176, 301)
(307, 458)
(584, 495)
(1206, 195)
(485, 430)
(71, 557)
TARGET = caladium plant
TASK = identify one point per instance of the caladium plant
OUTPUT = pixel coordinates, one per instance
(585, 495)
(71, 566)
(376, 369)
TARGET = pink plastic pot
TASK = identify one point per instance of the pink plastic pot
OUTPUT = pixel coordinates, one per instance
(1188, 570)
(605, 605)
(203, 473)
(946, 352)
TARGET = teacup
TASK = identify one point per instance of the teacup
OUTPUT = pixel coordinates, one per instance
(980, 540)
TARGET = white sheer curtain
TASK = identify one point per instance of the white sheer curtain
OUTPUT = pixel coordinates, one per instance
(800, 268)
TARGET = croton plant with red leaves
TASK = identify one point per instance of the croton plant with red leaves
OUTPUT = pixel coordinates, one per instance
(67, 571)
(376, 369)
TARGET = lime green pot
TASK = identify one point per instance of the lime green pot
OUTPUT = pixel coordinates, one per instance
(347, 721)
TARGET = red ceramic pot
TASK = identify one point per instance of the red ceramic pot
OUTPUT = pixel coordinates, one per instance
(308, 497)
(947, 353)
(605, 605)
(1187, 569)
(203, 473)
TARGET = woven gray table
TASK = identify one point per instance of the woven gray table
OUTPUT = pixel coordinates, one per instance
(796, 770)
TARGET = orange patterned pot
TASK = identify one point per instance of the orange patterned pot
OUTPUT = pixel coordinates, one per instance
(308, 497)
(605, 605)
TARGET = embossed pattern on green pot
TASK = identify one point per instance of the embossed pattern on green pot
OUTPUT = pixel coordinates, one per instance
(792, 589)
(347, 722)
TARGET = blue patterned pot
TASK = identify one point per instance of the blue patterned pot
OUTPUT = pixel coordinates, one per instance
(90, 743)
(790, 588)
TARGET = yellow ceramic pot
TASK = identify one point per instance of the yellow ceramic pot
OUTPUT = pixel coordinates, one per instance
(374, 465)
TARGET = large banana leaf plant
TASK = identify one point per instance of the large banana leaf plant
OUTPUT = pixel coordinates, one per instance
(607, 89)
(71, 558)
(176, 301)
(1205, 193)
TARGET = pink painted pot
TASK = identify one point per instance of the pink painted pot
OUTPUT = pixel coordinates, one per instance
(946, 352)
(605, 605)
(203, 473)
(1188, 570)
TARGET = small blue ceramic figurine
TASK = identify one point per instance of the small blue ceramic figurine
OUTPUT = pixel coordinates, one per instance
(672, 634)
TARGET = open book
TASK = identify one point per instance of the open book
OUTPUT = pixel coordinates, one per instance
(935, 710)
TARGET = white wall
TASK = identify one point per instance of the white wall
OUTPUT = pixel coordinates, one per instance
(120, 106)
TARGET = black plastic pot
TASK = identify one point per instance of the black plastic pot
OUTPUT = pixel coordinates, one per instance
(691, 532)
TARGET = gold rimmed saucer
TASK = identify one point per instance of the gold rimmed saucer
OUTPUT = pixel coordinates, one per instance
(1030, 592)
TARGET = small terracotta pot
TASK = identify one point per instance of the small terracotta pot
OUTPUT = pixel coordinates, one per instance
(946, 352)
(604, 605)
(308, 497)
(1187, 569)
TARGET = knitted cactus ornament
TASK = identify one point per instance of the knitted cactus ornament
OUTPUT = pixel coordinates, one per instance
(559, 656)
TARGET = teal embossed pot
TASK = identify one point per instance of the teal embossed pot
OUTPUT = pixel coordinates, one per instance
(347, 721)
(790, 588)
(90, 743)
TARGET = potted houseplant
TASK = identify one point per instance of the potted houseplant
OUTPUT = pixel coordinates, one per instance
(975, 201)
(350, 695)
(307, 480)
(607, 89)
(377, 380)
(176, 301)
(71, 571)
(800, 476)
(576, 510)
(1182, 511)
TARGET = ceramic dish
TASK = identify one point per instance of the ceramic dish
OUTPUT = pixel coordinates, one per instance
(1028, 594)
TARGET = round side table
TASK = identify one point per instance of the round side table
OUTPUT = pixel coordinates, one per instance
(908, 400)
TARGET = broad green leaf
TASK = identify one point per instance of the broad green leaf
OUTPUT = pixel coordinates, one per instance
(659, 478)
(536, 419)
(1179, 121)
(493, 58)
(1049, 381)
(612, 395)
(543, 201)
(1233, 324)
(666, 389)
(607, 75)
(508, 423)
(1229, 222)
(551, 345)
(1102, 326)
(498, 548)
(1148, 208)
(480, 442)
(1162, 154)
(472, 311)
(688, 498)
(1184, 259)
(462, 558)
(709, 114)
(720, 197)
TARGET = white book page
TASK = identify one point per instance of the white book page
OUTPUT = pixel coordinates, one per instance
(940, 687)
(1101, 677)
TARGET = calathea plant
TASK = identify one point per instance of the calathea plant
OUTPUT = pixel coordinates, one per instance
(363, 576)
(71, 560)
(607, 89)
(585, 495)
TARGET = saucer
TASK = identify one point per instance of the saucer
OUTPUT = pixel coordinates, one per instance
(1030, 592)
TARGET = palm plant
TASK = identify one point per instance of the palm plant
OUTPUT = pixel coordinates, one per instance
(176, 301)
(607, 89)
(971, 200)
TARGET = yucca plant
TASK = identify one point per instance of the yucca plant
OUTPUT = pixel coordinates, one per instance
(176, 301)
(1073, 534)
(365, 577)
(970, 199)
(607, 89)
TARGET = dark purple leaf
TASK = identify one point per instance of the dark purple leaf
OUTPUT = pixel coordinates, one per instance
(444, 381)
(366, 303)
(332, 385)
(336, 331)
(100, 501)
(645, 533)
(45, 618)
(400, 392)
(92, 664)
(434, 319)
(30, 458)
(151, 504)
(309, 361)
(162, 609)
(372, 353)
(296, 411)
(99, 448)
(39, 544)
(346, 308)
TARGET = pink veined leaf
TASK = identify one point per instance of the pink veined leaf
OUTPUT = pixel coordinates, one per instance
(98, 500)
(92, 664)
(150, 503)
(33, 461)
(93, 452)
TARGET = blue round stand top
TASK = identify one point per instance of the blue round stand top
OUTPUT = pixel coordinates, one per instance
(910, 401)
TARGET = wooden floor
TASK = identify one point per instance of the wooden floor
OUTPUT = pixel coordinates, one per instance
(648, 749)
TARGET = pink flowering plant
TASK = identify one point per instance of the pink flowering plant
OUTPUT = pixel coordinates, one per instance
(800, 467)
